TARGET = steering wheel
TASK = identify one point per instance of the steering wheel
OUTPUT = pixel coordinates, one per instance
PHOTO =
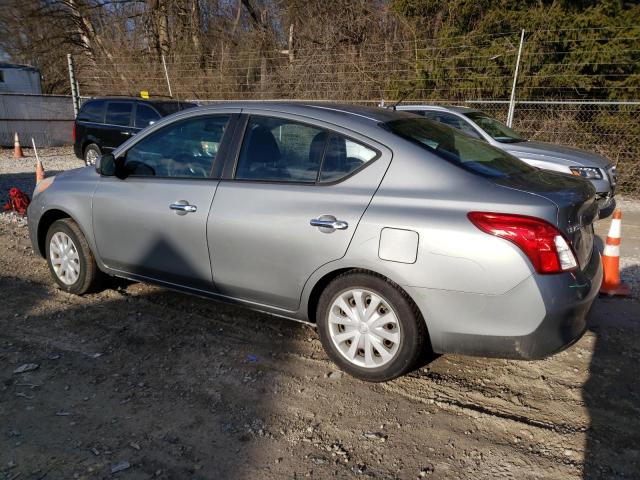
(184, 165)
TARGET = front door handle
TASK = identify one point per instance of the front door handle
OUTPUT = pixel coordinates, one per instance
(328, 223)
(182, 207)
(126, 133)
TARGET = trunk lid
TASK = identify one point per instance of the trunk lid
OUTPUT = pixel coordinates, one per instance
(575, 200)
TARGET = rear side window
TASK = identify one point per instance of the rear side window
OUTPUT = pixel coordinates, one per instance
(457, 148)
(145, 115)
(282, 150)
(342, 157)
(92, 111)
(119, 113)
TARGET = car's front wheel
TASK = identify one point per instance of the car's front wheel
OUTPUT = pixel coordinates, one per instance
(70, 259)
(369, 326)
(92, 154)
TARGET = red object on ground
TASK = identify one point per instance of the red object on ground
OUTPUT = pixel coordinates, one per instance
(18, 201)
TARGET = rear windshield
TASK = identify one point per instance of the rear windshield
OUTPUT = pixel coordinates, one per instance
(497, 130)
(458, 148)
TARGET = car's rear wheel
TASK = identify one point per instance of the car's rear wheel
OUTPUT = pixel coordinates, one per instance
(369, 326)
(70, 259)
(92, 154)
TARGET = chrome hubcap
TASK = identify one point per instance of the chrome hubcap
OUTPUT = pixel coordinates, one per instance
(364, 328)
(64, 258)
(92, 156)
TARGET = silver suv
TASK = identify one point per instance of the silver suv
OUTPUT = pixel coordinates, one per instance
(596, 168)
(392, 233)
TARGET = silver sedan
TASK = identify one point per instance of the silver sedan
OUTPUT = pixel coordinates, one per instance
(394, 234)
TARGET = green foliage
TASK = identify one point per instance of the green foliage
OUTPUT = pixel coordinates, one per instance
(572, 49)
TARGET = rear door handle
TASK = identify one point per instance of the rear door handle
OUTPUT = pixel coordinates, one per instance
(126, 133)
(182, 207)
(329, 223)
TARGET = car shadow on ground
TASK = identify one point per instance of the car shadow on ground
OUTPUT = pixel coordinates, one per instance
(139, 383)
(163, 382)
(612, 393)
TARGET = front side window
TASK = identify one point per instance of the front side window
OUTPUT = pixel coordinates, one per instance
(145, 115)
(497, 130)
(119, 113)
(277, 149)
(458, 148)
(342, 157)
(92, 112)
(183, 149)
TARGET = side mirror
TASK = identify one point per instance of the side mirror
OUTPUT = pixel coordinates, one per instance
(109, 166)
(106, 165)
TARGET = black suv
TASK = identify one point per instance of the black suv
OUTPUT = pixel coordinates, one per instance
(104, 123)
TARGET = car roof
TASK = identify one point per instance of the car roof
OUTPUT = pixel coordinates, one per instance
(319, 110)
(440, 108)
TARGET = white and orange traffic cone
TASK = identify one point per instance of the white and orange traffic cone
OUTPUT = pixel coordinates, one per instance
(39, 171)
(17, 149)
(611, 284)
(39, 167)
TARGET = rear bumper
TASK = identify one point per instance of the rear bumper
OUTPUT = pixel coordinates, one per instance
(77, 149)
(606, 204)
(541, 316)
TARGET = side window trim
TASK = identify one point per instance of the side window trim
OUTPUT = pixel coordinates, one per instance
(324, 152)
(231, 161)
(220, 160)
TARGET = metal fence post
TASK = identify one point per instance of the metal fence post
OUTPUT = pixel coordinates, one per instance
(166, 75)
(512, 101)
(74, 85)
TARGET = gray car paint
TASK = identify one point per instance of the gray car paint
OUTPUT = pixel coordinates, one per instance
(251, 242)
(548, 156)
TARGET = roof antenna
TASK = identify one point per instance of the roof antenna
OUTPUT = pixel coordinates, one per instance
(403, 98)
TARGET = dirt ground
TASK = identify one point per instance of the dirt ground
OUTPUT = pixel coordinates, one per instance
(140, 382)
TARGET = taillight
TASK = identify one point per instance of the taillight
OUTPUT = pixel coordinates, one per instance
(73, 132)
(544, 244)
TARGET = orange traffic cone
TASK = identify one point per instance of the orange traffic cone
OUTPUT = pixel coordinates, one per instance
(39, 171)
(17, 149)
(611, 284)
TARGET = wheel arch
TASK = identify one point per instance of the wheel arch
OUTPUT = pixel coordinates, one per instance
(324, 280)
(90, 141)
(46, 220)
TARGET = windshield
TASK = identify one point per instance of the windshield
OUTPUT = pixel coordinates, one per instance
(497, 130)
(458, 148)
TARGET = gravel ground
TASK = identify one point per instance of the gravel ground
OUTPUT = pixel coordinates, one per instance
(139, 382)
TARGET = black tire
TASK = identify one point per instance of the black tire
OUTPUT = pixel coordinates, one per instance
(91, 149)
(414, 339)
(89, 277)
